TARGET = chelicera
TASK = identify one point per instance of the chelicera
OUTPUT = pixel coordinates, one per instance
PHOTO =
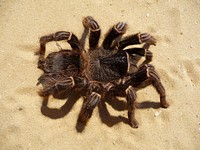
(108, 68)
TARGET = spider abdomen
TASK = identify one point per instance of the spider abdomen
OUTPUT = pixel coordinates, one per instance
(63, 60)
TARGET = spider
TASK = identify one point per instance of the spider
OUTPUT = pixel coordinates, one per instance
(108, 68)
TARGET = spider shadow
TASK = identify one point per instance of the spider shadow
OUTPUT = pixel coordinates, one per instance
(56, 113)
(105, 116)
(118, 105)
(149, 104)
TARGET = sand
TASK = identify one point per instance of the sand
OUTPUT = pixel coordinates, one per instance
(176, 25)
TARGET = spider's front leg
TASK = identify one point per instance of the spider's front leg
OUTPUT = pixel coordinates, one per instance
(138, 38)
(92, 100)
(95, 31)
(58, 36)
(116, 32)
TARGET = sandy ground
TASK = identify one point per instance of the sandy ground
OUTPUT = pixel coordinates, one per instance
(24, 125)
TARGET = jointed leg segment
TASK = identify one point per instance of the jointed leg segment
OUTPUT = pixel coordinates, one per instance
(158, 85)
(138, 38)
(147, 72)
(91, 101)
(95, 31)
(66, 84)
(117, 30)
(95, 90)
(58, 36)
(131, 99)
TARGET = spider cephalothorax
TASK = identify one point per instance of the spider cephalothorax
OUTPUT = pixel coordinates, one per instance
(108, 68)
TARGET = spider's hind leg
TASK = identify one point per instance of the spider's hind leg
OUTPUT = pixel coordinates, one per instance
(158, 85)
(131, 100)
(95, 31)
(116, 32)
(147, 76)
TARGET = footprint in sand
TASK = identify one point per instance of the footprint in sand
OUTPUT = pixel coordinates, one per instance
(193, 70)
(187, 71)
(169, 77)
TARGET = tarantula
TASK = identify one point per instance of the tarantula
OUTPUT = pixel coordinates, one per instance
(109, 68)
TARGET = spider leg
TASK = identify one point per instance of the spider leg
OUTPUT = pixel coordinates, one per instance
(95, 31)
(131, 101)
(138, 38)
(158, 85)
(141, 52)
(117, 31)
(68, 83)
(91, 101)
(51, 84)
(148, 73)
(58, 36)
(138, 51)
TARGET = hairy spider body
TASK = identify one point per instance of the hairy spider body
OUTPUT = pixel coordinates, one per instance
(105, 67)
(108, 68)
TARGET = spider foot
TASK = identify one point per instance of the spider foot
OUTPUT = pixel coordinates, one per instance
(89, 22)
(147, 38)
(121, 27)
(134, 123)
(164, 103)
